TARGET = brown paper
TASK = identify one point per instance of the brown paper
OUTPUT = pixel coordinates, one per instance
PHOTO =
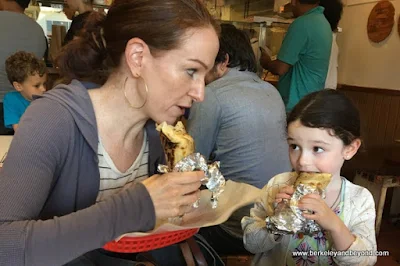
(235, 196)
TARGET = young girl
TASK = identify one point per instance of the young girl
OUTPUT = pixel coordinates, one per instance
(323, 132)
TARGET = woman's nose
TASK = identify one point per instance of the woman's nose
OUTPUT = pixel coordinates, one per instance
(197, 93)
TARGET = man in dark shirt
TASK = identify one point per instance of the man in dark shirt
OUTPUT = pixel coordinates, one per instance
(84, 7)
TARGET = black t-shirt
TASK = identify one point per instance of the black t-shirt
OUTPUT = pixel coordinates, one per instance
(77, 24)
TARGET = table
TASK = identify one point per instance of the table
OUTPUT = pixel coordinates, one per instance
(5, 142)
(377, 184)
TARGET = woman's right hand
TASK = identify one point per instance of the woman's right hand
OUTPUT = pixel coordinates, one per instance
(173, 194)
(285, 193)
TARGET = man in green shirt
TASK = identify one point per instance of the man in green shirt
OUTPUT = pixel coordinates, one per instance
(303, 59)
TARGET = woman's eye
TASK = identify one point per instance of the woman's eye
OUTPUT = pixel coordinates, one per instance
(318, 149)
(191, 72)
(294, 147)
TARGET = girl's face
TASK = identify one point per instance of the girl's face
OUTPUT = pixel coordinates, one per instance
(317, 149)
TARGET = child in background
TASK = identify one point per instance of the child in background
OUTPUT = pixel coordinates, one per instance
(323, 132)
(28, 76)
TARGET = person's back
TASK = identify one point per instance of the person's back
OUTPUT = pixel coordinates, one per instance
(307, 48)
(26, 35)
(251, 127)
(240, 123)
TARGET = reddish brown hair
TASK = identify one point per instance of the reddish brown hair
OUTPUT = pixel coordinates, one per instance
(162, 24)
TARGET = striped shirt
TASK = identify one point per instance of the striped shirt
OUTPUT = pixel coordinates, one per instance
(112, 180)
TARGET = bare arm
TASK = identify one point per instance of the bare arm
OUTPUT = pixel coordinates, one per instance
(276, 67)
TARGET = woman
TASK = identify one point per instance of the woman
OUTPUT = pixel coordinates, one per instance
(67, 186)
(84, 8)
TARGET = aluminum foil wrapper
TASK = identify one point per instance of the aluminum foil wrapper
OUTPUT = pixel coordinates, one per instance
(288, 218)
(214, 180)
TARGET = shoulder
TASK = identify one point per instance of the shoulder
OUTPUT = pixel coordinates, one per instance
(20, 18)
(12, 96)
(62, 100)
(298, 23)
(68, 92)
(212, 97)
(80, 19)
(47, 111)
(358, 194)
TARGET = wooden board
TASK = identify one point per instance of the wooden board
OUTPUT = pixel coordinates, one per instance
(380, 21)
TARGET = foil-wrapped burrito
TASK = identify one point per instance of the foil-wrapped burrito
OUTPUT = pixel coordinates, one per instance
(288, 217)
(179, 150)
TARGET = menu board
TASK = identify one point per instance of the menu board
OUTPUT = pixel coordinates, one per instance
(380, 21)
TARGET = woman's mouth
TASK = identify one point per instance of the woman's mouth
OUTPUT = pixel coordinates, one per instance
(183, 109)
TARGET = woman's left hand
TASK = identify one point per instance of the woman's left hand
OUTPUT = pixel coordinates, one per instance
(323, 215)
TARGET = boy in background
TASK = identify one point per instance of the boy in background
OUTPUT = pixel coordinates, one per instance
(27, 74)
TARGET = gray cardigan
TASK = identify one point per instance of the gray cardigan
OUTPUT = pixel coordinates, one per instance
(50, 181)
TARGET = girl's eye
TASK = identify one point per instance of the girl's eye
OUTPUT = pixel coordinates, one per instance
(318, 149)
(191, 72)
(294, 147)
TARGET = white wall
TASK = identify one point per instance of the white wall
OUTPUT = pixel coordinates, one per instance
(361, 62)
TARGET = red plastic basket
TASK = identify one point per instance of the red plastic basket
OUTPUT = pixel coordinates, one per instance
(150, 242)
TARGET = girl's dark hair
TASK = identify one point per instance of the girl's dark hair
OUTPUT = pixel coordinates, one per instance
(328, 109)
(236, 44)
(161, 24)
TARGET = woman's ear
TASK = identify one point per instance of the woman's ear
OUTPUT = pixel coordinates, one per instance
(134, 54)
(350, 150)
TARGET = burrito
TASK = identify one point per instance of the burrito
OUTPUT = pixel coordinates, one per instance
(176, 141)
(179, 150)
(288, 218)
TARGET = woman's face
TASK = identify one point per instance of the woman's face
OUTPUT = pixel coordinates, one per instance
(176, 78)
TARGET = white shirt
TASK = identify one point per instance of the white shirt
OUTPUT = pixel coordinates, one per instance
(112, 180)
(331, 77)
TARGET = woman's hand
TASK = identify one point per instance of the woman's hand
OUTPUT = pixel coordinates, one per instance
(285, 193)
(173, 194)
(323, 215)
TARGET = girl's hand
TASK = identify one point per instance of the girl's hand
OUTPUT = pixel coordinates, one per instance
(323, 215)
(285, 193)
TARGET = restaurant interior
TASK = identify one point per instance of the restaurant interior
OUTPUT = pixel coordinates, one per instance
(367, 74)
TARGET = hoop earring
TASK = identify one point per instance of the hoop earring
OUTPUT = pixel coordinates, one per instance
(126, 98)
